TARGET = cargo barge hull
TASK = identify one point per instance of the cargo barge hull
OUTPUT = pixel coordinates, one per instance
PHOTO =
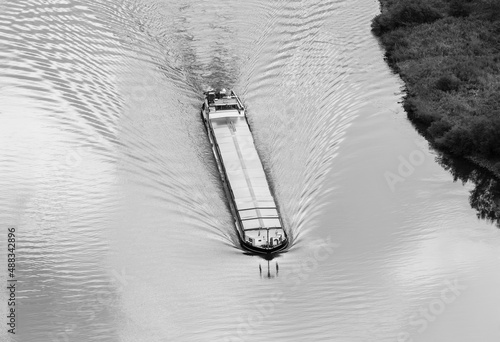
(256, 215)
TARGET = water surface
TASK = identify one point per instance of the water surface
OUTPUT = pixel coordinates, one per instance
(124, 233)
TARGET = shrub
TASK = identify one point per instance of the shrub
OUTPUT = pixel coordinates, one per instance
(467, 71)
(451, 70)
(459, 141)
(459, 8)
(497, 166)
(404, 13)
(381, 24)
(439, 128)
(485, 133)
(487, 10)
(448, 83)
(419, 111)
(396, 44)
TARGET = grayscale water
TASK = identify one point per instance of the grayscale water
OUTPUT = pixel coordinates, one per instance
(123, 231)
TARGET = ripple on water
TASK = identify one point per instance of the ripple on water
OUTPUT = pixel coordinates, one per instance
(107, 172)
(302, 98)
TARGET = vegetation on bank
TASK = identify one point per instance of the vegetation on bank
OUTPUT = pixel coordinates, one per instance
(448, 54)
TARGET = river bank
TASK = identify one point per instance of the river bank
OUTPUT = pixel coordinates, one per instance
(448, 55)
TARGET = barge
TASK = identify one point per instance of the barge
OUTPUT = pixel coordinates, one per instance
(256, 216)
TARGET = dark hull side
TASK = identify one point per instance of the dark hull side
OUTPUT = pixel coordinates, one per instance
(254, 249)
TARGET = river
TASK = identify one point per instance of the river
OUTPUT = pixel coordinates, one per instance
(123, 231)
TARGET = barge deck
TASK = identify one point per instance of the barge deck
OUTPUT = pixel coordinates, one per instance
(255, 212)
